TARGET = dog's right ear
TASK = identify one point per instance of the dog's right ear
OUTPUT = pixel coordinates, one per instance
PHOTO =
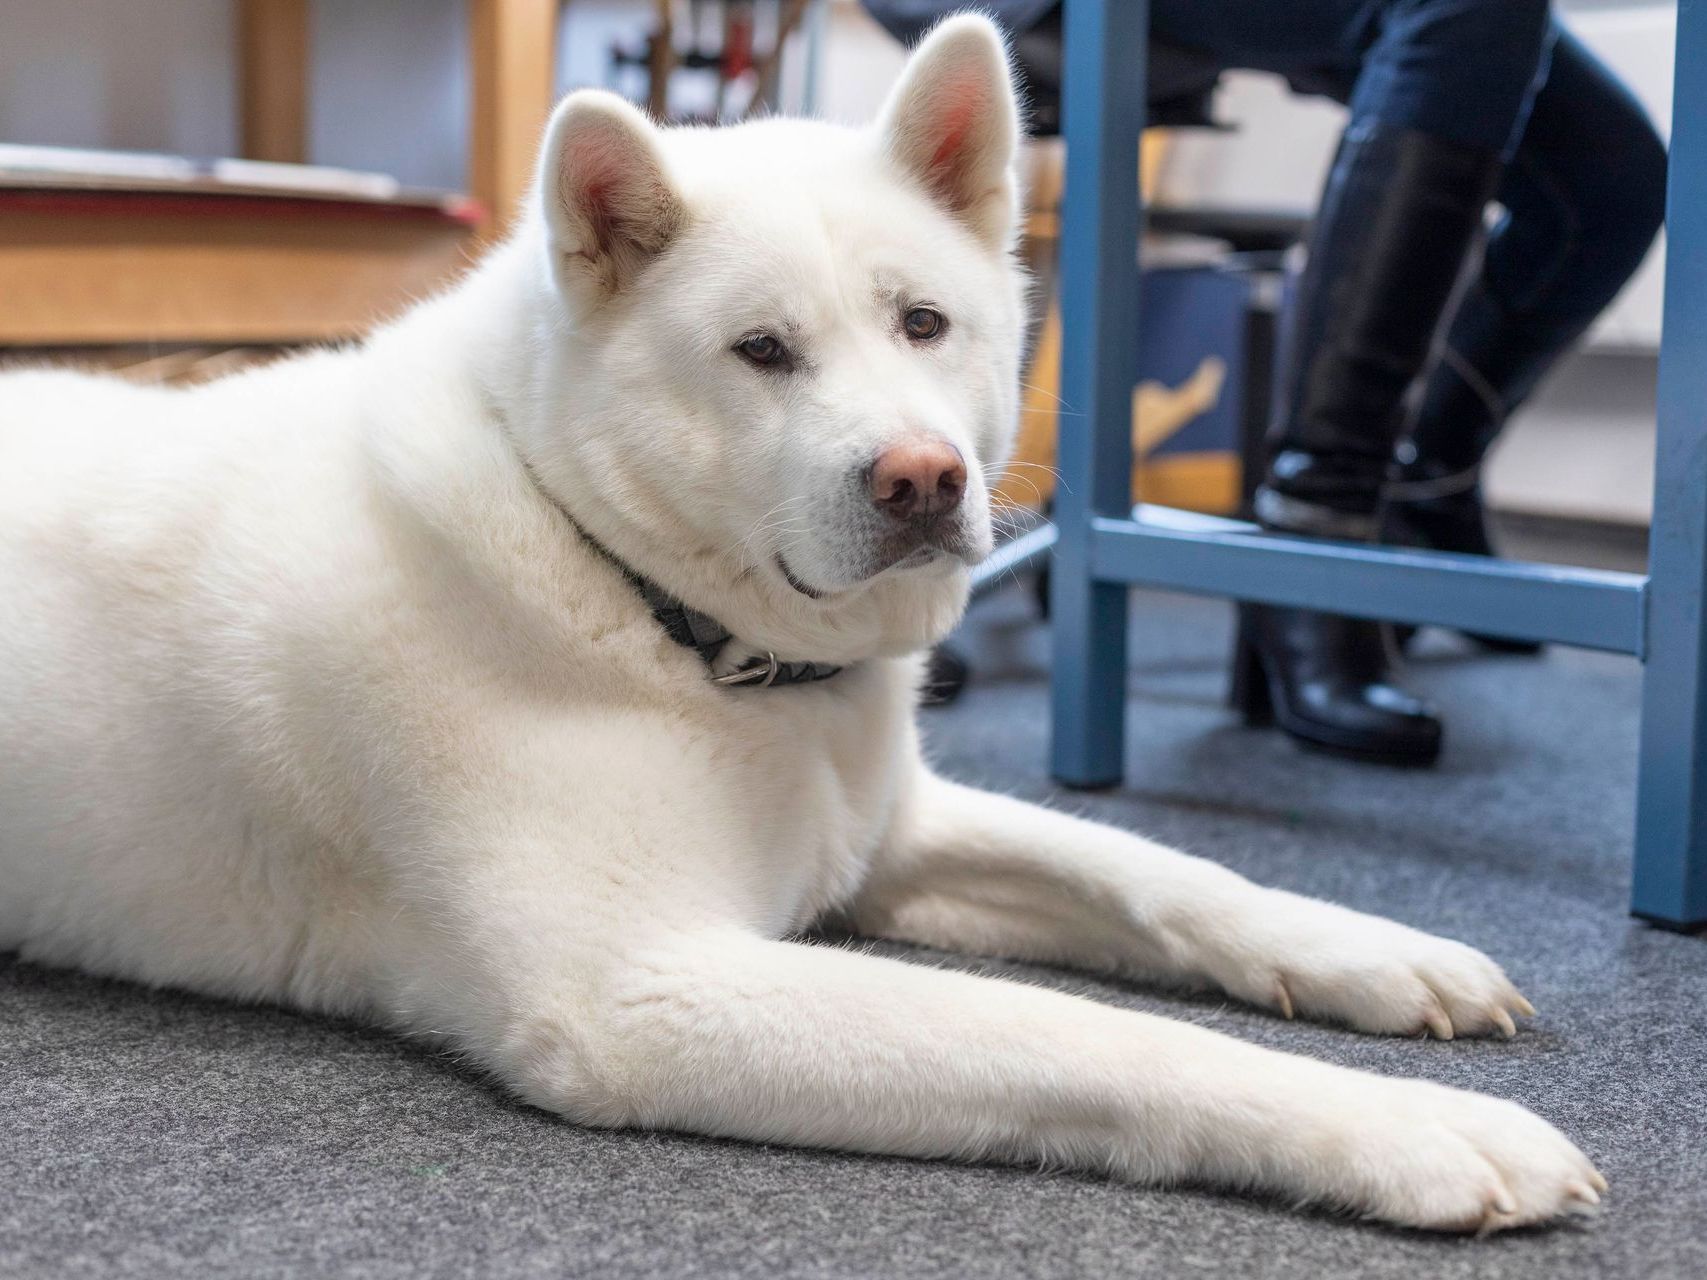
(609, 203)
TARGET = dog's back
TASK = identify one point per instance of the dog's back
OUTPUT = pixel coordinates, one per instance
(133, 521)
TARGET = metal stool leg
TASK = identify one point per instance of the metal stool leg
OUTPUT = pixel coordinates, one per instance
(1104, 113)
(1671, 794)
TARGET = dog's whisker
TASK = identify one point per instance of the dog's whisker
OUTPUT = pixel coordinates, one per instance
(1036, 466)
(1043, 391)
(770, 522)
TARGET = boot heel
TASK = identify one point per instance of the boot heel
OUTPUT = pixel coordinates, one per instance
(1249, 693)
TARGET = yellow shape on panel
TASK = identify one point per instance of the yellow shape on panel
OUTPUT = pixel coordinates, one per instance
(1200, 480)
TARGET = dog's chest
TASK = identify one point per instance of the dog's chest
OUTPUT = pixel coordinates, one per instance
(817, 789)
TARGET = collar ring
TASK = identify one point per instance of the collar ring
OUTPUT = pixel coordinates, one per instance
(762, 676)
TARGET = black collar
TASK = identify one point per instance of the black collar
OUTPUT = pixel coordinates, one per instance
(705, 635)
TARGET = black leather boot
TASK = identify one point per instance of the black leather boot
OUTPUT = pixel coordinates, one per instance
(1492, 358)
(1399, 214)
(1431, 507)
(1326, 680)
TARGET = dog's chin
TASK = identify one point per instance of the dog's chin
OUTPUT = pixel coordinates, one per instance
(921, 565)
(898, 608)
(893, 560)
(799, 584)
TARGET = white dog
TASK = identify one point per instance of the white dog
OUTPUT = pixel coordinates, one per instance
(526, 676)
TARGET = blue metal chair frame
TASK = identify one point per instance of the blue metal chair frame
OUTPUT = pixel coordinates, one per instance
(1103, 548)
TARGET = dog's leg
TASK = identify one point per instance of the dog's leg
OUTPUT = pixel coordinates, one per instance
(968, 870)
(734, 1035)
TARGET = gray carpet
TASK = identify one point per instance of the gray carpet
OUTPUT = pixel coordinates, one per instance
(149, 1133)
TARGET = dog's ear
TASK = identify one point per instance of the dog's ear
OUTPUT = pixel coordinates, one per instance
(952, 123)
(609, 203)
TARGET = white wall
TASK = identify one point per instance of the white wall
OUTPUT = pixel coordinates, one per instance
(389, 88)
(861, 62)
(136, 74)
(1584, 446)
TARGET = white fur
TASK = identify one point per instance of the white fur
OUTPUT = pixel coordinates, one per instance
(310, 692)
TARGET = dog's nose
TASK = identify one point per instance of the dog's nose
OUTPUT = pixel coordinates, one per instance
(918, 479)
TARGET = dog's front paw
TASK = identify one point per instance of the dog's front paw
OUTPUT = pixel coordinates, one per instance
(1422, 1155)
(1311, 959)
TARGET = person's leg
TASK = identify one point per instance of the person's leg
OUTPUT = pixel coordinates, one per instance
(1438, 92)
(1583, 197)
(1461, 70)
(1401, 210)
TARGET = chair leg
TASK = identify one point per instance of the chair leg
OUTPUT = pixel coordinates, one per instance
(1671, 794)
(1670, 873)
(1088, 683)
(1104, 113)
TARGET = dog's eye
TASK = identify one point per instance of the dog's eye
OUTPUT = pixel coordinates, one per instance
(762, 349)
(923, 324)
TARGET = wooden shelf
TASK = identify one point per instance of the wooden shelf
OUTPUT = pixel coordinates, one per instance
(173, 262)
(161, 266)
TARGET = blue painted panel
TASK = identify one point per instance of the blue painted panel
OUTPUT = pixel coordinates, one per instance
(1190, 314)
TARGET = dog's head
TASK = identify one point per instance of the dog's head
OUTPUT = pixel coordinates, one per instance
(781, 359)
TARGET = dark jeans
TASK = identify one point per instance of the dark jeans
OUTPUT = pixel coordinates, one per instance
(1583, 192)
(1466, 70)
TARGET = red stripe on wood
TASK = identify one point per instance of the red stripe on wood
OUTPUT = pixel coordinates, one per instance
(460, 211)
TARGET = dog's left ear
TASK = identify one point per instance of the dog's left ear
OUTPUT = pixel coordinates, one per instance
(953, 124)
(610, 205)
